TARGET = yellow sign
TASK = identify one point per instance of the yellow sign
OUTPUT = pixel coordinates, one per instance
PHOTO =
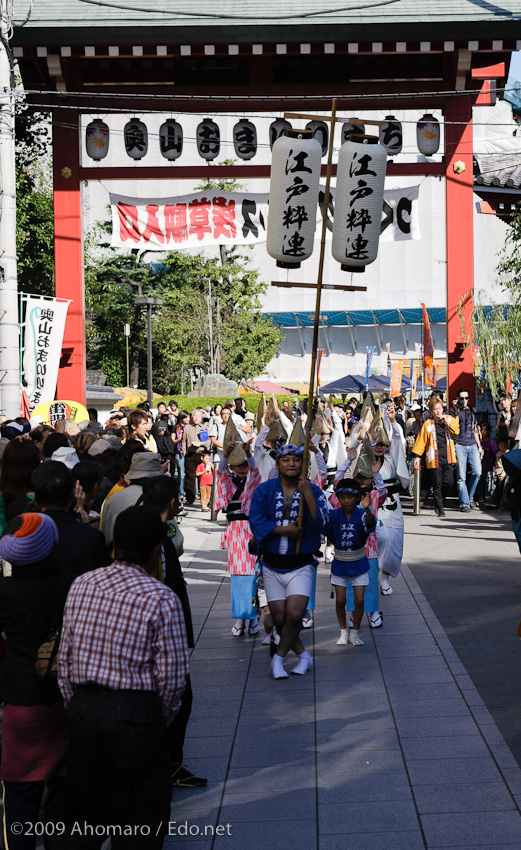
(51, 411)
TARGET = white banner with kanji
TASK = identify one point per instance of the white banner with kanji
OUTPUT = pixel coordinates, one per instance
(230, 218)
(43, 329)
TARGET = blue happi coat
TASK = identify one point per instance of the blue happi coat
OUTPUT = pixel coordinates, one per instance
(267, 512)
(348, 535)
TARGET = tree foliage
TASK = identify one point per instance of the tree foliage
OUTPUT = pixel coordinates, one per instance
(34, 202)
(210, 319)
(495, 331)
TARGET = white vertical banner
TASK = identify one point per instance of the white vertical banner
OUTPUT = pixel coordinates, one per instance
(43, 329)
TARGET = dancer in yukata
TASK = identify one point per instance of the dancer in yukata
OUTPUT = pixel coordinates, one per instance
(238, 478)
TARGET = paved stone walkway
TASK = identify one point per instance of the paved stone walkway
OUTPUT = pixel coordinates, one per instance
(473, 584)
(388, 746)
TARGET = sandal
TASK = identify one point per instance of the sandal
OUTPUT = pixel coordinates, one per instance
(386, 591)
(237, 631)
(253, 628)
(376, 621)
(307, 622)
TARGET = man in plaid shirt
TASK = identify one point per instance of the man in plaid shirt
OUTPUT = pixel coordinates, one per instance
(123, 664)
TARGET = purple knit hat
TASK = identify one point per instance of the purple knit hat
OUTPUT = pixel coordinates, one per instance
(28, 538)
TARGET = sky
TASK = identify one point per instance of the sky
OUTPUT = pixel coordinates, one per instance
(515, 66)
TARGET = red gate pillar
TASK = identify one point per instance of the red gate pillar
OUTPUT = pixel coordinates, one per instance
(460, 241)
(68, 252)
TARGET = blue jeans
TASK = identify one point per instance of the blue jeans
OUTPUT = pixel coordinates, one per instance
(180, 466)
(467, 456)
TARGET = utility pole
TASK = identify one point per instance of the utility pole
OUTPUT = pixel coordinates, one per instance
(149, 303)
(9, 319)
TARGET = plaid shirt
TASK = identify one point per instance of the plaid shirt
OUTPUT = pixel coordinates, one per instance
(124, 630)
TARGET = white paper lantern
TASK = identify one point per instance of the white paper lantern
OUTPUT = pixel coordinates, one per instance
(208, 138)
(245, 139)
(428, 135)
(320, 132)
(349, 129)
(358, 203)
(391, 135)
(136, 138)
(294, 185)
(171, 139)
(277, 129)
(97, 137)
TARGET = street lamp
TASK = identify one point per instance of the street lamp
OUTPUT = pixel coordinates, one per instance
(149, 303)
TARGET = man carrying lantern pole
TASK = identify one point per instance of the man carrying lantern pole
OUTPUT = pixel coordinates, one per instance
(294, 189)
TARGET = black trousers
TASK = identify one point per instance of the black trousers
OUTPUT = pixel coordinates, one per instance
(192, 460)
(22, 801)
(442, 480)
(177, 729)
(118, 773)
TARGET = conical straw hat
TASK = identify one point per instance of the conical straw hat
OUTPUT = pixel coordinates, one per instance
(230, 433)
(238, 455)
(366, 458)
(298, 437)
(277, 431)
(261, 411)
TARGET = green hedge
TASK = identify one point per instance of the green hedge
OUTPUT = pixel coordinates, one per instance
(252, 401)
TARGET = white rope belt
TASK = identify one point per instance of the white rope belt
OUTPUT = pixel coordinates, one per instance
(355, 555)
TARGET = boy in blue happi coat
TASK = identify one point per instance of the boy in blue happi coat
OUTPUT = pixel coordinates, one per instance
(348, 528)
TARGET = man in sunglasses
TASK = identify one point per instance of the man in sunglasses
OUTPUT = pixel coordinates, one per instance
(468, 452)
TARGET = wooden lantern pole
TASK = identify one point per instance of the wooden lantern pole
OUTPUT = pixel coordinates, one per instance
(316, 323)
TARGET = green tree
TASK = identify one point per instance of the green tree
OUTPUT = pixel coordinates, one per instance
(494, 334)
(34, 202)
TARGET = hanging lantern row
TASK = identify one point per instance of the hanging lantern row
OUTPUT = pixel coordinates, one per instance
(294, 188)
(208, 137)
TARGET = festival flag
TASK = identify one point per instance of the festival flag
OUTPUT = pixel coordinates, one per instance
(414, 378)
(434, 375)
(319, 363)
(369, 353)
(396, 378)
(388, 347)
(509, 386)
(428, 349)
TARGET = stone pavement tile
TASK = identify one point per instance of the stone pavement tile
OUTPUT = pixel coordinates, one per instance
(389, 817)
(354, 741)
(364, 789)
(394, 646)
(209, 747)
(203, 680)
(373, 720)
(247, 807)
(210, 695)
(200, 727)
(422, 671)
(405, 625)
(344, 707)
(266, 779)
(350, 688)
(275, 834)
(198, 802)
(449, 747)
(213, 769)
(404, 708)
(360, 763)
(299, 757)
(332, 673)
(255, 714)
(213, 709)
(430, 727)
(204, 664)
(280, 736)
(472, 829)
(264, 681)
(426, 691)
(452, 770)
(477, 797)
(373, 841)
